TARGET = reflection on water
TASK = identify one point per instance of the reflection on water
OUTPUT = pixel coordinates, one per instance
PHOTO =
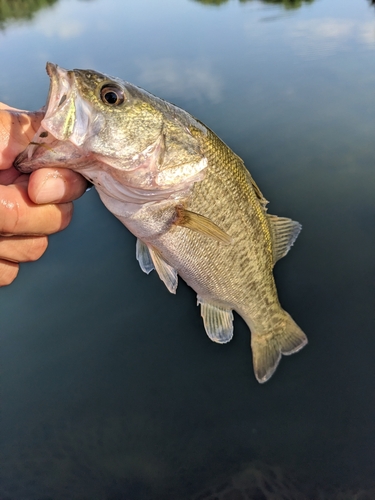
(21, 9)
(110, 388)
(212, 2)
(288, 4)
(178, 78)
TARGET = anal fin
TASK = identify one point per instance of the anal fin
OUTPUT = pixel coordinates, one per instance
(167, 273)
(218, 322)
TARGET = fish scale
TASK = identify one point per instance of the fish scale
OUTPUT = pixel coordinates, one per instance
(206, 261)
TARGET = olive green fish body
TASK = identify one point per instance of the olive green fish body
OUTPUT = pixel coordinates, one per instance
(237, 276)
(232, 275)
(195, 209)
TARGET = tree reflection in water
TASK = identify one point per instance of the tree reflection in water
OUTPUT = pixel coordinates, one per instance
(288, 4)
(21, 9)
(25, 9)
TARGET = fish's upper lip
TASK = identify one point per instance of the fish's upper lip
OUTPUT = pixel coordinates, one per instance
(61, 83)
(51, 69)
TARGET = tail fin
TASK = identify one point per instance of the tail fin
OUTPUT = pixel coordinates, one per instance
(286, 338)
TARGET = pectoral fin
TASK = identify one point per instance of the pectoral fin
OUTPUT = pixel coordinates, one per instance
(143, 256)
(218, 322)
(166, 272)
(284, 233)
(201, 224)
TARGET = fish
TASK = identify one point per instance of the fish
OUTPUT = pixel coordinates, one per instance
(188, 198)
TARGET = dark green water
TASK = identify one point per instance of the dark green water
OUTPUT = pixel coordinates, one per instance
(110, 388)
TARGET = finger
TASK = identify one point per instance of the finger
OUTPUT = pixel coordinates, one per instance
(57, 185)
(9, 176)
(20, 216)
(17, 128)
(5, 106)
(22, 248)
(8, 272)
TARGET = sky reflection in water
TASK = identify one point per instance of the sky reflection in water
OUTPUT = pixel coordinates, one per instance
(109, 383)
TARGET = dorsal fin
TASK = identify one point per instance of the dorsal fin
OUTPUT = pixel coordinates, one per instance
(258, 192)
(284, 233)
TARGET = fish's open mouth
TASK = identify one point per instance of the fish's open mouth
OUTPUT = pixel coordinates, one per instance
(68, 119)
(60, 87)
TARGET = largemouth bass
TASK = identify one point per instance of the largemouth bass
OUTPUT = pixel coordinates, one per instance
(193, 206)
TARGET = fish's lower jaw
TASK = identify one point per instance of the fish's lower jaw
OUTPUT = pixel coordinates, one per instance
(268, 347)
(22, 165)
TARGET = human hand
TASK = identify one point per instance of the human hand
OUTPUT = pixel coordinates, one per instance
(31, 206)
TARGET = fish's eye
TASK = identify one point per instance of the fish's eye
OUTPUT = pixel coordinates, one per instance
(112, 95)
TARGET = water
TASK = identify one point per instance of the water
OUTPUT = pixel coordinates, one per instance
(110, 387)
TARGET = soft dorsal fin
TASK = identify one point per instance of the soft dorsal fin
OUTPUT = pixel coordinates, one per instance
(201, 224)
(167, 273)
(284, 233)
(218, 322)
(143, 257)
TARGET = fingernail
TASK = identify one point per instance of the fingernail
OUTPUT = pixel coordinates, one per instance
(51, 191)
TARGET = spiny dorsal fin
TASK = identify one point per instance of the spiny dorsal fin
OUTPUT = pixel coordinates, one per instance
(201, 224)
(258, 192)
(218, 322)
(143, 257)
(167, 273)
(284, 233)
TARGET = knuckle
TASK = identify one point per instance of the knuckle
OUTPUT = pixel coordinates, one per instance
(36, 248)
(8, 272)
(10, 217)
(66, 210)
